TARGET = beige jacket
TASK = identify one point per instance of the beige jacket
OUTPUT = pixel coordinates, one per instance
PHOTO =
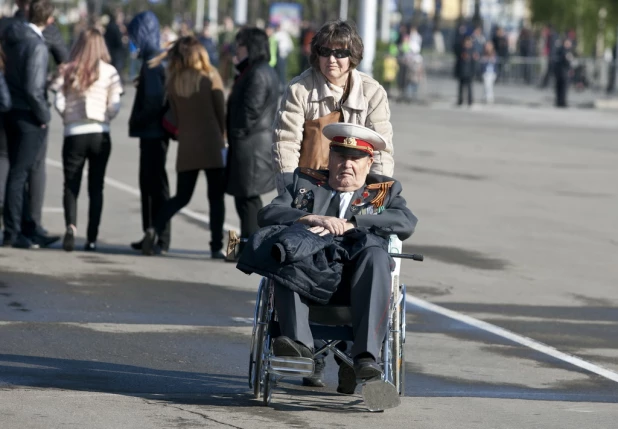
(308, 97)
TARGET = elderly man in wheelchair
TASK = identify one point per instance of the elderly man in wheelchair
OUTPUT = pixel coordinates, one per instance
(352, 213)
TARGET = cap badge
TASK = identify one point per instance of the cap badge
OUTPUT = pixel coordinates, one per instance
(349, 141)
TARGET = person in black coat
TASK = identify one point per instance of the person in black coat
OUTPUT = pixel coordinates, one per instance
(53, 38)
(251, 111)
(114, 39)
(145, 123)
(465, 69)
(35, 192)
(562, 70)
(26, 124)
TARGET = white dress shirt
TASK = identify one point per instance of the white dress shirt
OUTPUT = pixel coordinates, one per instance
(346, 198)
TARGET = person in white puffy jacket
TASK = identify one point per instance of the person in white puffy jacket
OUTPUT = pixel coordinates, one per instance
(88, 94)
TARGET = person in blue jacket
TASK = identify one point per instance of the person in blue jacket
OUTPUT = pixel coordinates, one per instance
(146, 124)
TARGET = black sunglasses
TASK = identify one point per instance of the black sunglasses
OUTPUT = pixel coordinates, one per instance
(323, 51)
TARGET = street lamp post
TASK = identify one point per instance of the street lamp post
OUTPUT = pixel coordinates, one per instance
(240, 12)
(368, 20)
(343, 10)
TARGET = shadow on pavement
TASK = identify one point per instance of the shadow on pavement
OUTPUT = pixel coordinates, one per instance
(91, 376)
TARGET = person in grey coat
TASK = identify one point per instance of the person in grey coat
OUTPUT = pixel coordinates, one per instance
(335, 201)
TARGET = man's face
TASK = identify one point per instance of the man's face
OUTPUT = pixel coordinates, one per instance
(348, 172)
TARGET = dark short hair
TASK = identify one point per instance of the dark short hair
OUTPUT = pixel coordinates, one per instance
(256, 42)
(40, 11)
(338, 32)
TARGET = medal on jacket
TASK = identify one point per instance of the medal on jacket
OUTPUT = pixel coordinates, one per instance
(304, 200)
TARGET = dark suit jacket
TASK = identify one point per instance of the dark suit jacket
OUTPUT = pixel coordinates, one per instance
(53, 38)
(309, 193)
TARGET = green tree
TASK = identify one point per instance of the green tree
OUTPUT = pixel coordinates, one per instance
(580, 15)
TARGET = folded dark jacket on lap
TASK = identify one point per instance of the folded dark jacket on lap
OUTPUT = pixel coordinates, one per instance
(307, 263)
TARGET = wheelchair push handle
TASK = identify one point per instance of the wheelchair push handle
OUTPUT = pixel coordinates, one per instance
(414, 256)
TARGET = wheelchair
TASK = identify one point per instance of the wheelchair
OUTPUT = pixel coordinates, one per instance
(330, 325)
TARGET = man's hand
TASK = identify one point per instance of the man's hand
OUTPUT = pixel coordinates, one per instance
(323, 225)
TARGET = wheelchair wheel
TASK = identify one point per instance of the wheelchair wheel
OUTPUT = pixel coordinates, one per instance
(260, 326)
(398, 360)
(269, 382)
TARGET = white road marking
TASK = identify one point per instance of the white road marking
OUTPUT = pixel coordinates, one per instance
(135, 192)
(479, 324)
(245, 320)
(53, 210)
(516, 338)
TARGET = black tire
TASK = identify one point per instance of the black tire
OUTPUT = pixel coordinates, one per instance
(268, 389)
(397, 357)
(255, 367)
(401, 387)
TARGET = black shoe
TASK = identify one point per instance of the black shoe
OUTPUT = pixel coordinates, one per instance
(286, 347)
(162, 248)
(137, 245)
(44, 240)
(7, 240)
(366, 368)
(347, 379)
(24, 243)
(316, 379)
(217, 255)
(90, 246)
(148, 243)
(68, 242)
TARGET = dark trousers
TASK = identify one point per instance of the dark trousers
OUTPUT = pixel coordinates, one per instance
(26, 141)
(367, 283)
(94, 148)
(34, 196)
(215, 178)
(247, 209)
(465, 84)
(548, 74)
(153, 184)
(562, 83)
(4, 162)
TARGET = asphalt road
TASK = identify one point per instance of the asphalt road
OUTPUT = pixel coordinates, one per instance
(517, 212)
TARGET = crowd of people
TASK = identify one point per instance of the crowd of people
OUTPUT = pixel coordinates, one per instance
(483, 58)
(248, 137)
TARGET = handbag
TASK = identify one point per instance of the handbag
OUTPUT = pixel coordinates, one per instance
(315, 147)
(168, 121)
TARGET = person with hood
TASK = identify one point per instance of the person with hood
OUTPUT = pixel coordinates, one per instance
(26, 125)
(35, 195)
(146, 124)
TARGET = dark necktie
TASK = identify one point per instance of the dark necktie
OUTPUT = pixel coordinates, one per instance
(333, 207)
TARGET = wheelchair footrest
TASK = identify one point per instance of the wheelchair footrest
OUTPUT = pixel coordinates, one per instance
(291, 366)
(380, 395)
